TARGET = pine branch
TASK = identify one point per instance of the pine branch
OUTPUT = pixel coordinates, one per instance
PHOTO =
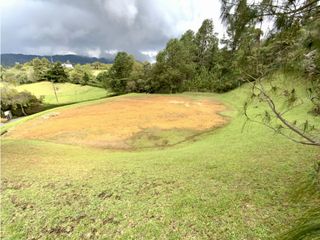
(309, 140)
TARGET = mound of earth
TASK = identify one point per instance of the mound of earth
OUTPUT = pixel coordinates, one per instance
(126, 122)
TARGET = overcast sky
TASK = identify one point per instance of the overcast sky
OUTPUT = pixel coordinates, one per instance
(100, 27)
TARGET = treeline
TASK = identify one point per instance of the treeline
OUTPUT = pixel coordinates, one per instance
(193, 62)
(196, 62)
(41, 69)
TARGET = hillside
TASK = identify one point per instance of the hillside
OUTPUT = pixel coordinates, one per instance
(66, 92)
(10, 59)
(228, 183)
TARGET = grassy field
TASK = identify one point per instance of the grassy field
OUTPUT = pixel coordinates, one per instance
(66, 92)
(225, 184)
(95, 72)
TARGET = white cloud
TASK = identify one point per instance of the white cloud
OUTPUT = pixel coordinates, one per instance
(45, 50)
(94, 52)
(189, 14)
(112, 51)
(122, 10)
(151, 54)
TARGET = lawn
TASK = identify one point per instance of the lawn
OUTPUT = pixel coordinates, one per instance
(224, 184)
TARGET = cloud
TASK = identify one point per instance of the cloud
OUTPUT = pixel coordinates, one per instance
(151, 54)
(112, 51)
(100, 27)
(124, 10)
(94, 52)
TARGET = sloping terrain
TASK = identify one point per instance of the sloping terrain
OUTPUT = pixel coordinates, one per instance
(66, 92)
(231, 183)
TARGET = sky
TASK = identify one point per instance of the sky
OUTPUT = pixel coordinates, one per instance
(100, 28)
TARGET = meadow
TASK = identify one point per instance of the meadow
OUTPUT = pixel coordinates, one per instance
(67, 92)
(228, 183)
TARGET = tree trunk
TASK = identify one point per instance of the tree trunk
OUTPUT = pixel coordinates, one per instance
(22, 110)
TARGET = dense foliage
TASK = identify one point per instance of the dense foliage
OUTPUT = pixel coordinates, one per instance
(42, 70)
(19, 103)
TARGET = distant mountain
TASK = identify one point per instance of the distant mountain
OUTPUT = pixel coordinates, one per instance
(10, 59)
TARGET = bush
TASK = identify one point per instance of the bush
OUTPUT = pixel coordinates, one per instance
(56, 73)
(102, 79)
(22, 78)
(85, 79)
(19, 103)
(118, 85)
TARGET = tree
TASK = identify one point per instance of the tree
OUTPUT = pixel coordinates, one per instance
(76, 74)
(275, 118)
(22, 78)
(40, 68)
(56, 73)
(96, 65)
(117, 85)
(103, 78)
(20, 103)
(207, 44)
(122, 66)
(238, 13)
(238, 16)
(281, 50)
(120, 72)
(85, 79)
(174, 66)
(241, 16)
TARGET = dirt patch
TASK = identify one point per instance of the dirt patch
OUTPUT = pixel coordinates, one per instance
(112, 124)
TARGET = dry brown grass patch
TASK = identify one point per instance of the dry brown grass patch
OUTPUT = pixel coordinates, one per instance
(111, 123)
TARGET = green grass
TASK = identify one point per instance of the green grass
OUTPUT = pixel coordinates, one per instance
(95, 72)
(154, 137)
(229, 184)
(66, 92)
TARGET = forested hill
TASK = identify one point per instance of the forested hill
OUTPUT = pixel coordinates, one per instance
(10, 59)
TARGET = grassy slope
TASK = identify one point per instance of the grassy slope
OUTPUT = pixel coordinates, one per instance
(226, 185)
(67, 92)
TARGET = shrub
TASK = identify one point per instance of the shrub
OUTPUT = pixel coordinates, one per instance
(19, 103)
